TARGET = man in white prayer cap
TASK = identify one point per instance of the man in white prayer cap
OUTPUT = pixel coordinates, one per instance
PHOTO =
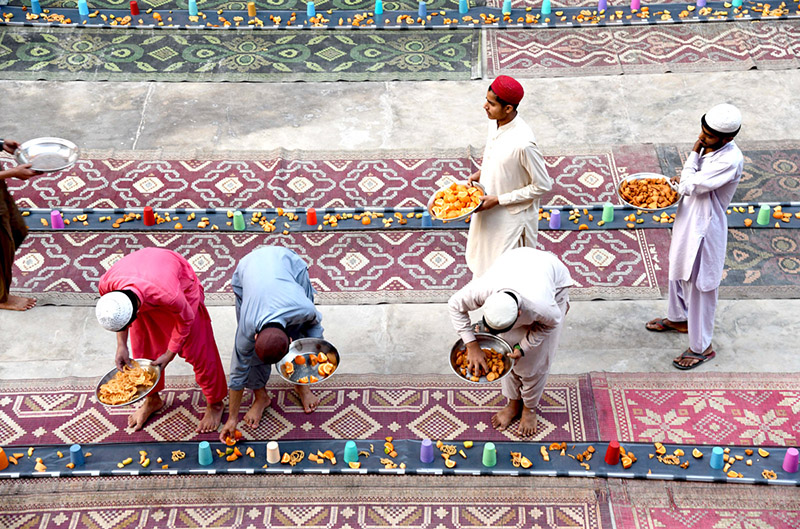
(700, 234)
(525, 297)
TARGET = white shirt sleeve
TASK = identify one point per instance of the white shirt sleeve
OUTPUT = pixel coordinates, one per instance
(532, 162)
(471, 297)
(713, 175)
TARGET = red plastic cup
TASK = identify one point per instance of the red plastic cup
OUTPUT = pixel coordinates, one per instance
(149, 217)
(134, 8)
(612, 453)
(311, 217)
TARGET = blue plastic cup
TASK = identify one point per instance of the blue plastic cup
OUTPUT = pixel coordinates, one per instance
(204, 456)
(76, 455)
(423, 9)
(716, 458)
(463, 7)
(350, 452)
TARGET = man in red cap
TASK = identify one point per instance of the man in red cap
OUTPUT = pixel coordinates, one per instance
(514, 175)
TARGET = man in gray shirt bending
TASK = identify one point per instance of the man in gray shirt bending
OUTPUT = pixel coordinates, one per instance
(274, 305)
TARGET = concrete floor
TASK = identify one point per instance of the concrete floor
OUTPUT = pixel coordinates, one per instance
(567, 115)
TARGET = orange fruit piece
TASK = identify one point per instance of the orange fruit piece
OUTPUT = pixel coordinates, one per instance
(312, 379)
(300, 360)
(303, 380)
(366, 220)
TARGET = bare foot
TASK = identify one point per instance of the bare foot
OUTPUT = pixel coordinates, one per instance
(527, 422)
(256, 411)
(309, 400)
(506, 416)
(18, 303)
(211, 418)
(152, 403)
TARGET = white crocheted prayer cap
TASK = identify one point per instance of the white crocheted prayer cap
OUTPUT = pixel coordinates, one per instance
(500, 310)
(114, 311)
(724, 118)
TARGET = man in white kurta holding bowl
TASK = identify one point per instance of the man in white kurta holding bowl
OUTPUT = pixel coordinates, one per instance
(700, 234)
(514, 175)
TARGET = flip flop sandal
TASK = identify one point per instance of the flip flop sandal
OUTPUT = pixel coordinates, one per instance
(658, 325)
(691, 355)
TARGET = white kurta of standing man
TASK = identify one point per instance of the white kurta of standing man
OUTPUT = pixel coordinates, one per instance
(513, 169)
(708, 184)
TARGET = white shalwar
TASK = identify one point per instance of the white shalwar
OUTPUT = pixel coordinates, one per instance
(540, 282)
(513, 169)
(699, 240)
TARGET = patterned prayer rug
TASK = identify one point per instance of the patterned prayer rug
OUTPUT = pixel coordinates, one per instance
(262, 6)
(329, 502)
(345, 267)
(613, 51)
(63, 54)
(658, 505)
(358, 407)
(708, 408)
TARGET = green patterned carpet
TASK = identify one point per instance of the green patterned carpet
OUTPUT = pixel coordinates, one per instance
(53, 54)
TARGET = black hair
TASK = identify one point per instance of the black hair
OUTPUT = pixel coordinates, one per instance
(721, 135)
(135, 302)
(502, 101)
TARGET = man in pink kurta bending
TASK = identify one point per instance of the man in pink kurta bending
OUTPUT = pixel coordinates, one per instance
(154, 296)
(700, 234)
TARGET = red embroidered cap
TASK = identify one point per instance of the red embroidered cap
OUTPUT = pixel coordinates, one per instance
(508, 89)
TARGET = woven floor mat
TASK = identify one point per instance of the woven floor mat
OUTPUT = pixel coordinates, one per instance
(630, 50)
(355, 407)
(332, 502)
(651, 505)
(63, 54)
(710, 408)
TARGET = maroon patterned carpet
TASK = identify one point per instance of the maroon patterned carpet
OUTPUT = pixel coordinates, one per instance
(354, 407)
(381, 266)
(632, 50)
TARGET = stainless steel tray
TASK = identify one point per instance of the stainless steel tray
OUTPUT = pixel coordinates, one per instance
(460, 217)
(642, 176)
(487, 341)
(305, 347)
(47, 154)
(143, 392)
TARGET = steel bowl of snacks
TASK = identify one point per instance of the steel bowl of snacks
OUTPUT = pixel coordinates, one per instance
(309, 361)
(456, 201)
(648, 192)
(132, 384)
(47, 154)
(496, 350)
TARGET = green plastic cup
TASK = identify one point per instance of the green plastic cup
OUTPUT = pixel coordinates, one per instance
(608, 212)
(763, 214)
(350, 452)
(238, 221)
(489, 455)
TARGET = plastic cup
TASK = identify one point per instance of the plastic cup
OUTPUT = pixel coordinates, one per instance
(555, 219)
(489, 455)
(76, 455)
(463, 7)
(378, 7)
(273, 453)
(148, 216)
(238, 221)
(635, 5)
(192, 8)
(36, 8)
(83, 8)
(134, 8)
(546, 9)
(426, 451)
(506, 7)
(736, 3)
(350, 452)
(3, 459)
(608, 212)
(790, 461)
(701, 3)
(56, 220)
(763, 215)
(204, 456)
(602, 5)
(426, 220)
(251, 9)
(311, 217)
(423, 9)
(612, 453)
(311, 10)
(716, 461)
